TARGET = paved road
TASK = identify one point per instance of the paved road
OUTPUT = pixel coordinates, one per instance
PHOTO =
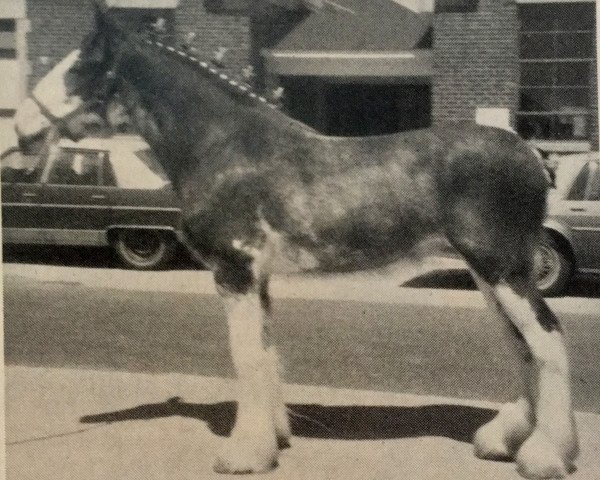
(419, 346)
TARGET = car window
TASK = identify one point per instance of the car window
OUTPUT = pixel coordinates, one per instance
(75, 167)
(108, 174)
(578, 188)
(137, 169)
(146, 156)
(594, 186)
(19, 168)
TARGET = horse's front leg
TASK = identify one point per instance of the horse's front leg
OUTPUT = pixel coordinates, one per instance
(261, 421)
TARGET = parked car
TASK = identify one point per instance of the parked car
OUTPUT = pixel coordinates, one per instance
(95, 192)
(571, 243)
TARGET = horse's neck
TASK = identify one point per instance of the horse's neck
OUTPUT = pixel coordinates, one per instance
(178, 116)
(190, 119)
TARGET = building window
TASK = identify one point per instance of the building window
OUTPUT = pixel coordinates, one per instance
(556, 60)
(8, 39)
(455, 6)
(227, 6)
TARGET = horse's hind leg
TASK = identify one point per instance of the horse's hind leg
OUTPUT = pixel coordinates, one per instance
(260, 420)
(501, 438)
(539, 429)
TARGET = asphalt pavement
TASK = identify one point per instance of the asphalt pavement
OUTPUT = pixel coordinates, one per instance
(71, 413)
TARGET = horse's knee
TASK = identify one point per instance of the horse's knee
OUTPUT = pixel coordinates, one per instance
(234, 278)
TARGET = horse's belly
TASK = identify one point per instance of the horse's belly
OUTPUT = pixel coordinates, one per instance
(279, 254)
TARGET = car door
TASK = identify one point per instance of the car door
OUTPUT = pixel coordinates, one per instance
(75, 199)
(144, 197)
(584, 218)
(23, 218)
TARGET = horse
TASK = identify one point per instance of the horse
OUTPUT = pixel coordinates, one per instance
(263, 194)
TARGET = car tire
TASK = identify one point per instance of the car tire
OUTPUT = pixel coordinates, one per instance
(144, 249)
(553, 267)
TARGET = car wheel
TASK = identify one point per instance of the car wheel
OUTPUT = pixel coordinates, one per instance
(553, 267)
(144, 249)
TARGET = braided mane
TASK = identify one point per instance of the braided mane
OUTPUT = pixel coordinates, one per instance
(240, 91)
(234, 87)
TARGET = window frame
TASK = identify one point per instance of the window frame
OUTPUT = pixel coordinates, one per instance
(592, 191)
(55, 155)
(8, 39)
(579, 185)
(554, 114)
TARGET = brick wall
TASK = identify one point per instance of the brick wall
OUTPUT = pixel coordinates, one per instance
(216, 29)
(475, 60)
(269, 25)
(57, 27)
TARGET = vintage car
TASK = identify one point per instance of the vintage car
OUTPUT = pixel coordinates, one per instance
(571, 244)
(95, 192)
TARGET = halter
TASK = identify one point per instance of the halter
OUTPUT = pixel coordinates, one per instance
(52, 118)
(50, 103)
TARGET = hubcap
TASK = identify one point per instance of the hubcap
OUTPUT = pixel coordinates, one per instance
(143, 244)
(547, 266)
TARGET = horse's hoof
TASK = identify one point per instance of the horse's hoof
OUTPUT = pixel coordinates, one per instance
(489, 443)
(246, 457)
(538, 458)
(500, 438)
(283, 430)
(237, 466)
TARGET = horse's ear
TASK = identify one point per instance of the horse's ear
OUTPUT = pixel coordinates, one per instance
(97, 44)
(100, 14)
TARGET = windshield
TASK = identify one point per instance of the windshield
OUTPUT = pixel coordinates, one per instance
(566, 170)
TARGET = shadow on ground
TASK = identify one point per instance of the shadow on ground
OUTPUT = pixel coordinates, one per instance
(87, 257)
(355, 422)
(452, 279)
(460, 279)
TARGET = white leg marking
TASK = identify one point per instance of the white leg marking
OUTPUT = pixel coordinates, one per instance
(252, 446)
(500, 438)
(551, 449)
(281, 418)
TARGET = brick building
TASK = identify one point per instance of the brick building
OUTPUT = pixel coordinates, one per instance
(531, 64)
(357, 66)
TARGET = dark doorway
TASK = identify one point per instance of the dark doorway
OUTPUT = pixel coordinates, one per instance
(358, 109)
(363, 109)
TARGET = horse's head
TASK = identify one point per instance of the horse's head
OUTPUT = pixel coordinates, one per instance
(75, 98)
